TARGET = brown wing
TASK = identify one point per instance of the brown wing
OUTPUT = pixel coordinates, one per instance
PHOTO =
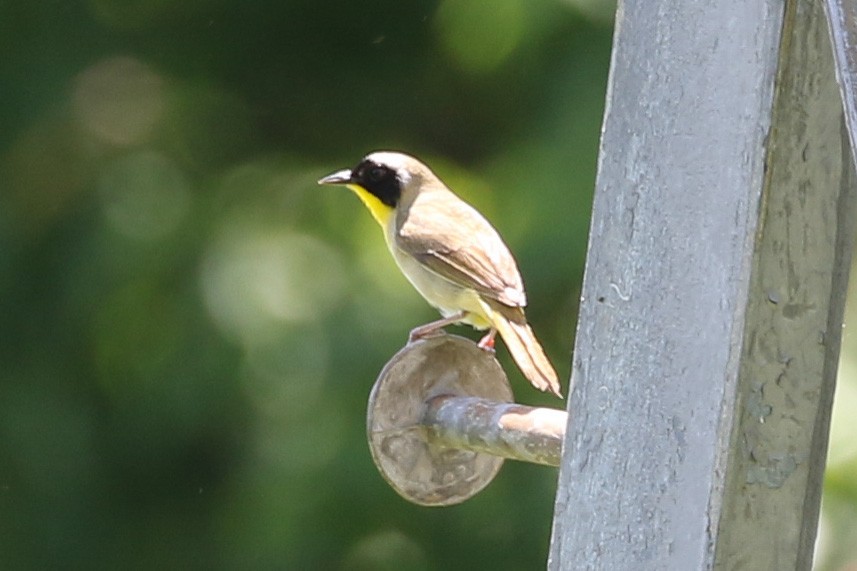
(452, 239)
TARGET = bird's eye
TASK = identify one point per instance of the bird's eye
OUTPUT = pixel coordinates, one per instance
(377, 174)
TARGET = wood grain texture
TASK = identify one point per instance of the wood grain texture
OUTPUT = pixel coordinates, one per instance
(721, 187)
(842, 19)
(792, 333)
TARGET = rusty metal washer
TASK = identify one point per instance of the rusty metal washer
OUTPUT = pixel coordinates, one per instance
(422, 473)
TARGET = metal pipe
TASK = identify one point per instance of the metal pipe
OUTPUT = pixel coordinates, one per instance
(507, 430)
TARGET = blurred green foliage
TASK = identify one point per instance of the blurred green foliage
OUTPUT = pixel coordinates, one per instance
(189, 326)
(836, 549)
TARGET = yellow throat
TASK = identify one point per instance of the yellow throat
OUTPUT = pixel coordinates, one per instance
(380, 211)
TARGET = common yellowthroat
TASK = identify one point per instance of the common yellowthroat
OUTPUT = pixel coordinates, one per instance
(451, 254)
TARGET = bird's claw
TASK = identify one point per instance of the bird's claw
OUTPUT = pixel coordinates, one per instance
(416, 335)
(487, 343)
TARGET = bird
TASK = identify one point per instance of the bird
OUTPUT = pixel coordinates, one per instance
(451, 254)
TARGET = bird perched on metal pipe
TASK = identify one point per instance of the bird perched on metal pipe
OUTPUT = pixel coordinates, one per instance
(451, 254)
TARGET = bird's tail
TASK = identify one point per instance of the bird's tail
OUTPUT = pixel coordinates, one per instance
(526, 350)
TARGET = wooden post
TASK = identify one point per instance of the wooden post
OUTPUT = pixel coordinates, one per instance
(842, 17)
(710, 322)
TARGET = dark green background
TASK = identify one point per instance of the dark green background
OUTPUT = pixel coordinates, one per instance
(189, 326)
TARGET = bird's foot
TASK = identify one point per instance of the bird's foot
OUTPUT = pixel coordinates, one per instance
(487, 342)
(435, 328)
(418, 333)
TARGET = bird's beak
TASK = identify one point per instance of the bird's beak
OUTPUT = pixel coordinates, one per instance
(339, 177)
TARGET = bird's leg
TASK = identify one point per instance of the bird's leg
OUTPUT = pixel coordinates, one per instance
(430, 329)
(487, 342)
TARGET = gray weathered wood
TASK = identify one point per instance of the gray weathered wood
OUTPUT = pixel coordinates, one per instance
(792, 333)
(842, 17)
(712, 303)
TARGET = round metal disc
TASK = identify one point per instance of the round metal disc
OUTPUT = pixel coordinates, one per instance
(421, 473)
